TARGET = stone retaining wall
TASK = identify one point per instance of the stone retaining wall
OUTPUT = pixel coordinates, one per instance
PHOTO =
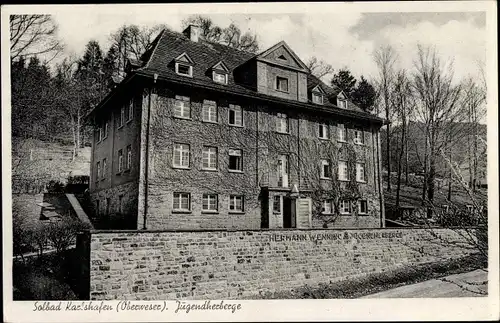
(241, 264)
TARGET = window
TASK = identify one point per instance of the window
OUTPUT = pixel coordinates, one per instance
(317, 98)
(328, 206)
(120, 161)
(209, 112)
(325, 169)
(342, 103)
(282, 57)
(362, 207)
(235, 160)
(184, 69)
(210, 202)
(106, 123)
(281, 123)
(342, 132)
(129, 156)
(358, 137)
(236, 203)
(99, 133)
(345, 207)
(220, 77)
(209, 158)
(181, 156)
(343, 174)
(360, 172)
(122, 117)
(182, 202)
(235, 115)
(130, 115)
(282, 170)
(281, 84)
(98, 171)
(182, 107)
(323, 131)
(277, 205)
(104, 168)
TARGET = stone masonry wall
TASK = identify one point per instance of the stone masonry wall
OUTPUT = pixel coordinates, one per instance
(241, 264)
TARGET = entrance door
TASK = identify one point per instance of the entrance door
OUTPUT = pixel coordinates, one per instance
(288, 213)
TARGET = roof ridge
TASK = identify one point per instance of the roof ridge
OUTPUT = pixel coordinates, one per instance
(202, 38)
(155, 46)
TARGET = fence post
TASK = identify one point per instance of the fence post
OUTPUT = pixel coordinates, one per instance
(31, 154)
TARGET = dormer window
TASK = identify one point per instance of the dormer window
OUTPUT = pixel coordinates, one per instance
(183, 69)
(184, 65)
(219, 77)
(342, 100)
(220, 73)
(317, 98)
(317, 95)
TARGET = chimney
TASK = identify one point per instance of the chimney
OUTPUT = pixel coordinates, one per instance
(192, 32)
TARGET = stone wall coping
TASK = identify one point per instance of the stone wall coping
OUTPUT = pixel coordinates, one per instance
(272, 230)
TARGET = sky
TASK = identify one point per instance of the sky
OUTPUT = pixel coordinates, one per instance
(343, 39)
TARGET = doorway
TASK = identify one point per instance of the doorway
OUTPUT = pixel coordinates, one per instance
(288, 212)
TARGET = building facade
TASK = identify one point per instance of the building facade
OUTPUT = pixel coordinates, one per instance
(202, 136)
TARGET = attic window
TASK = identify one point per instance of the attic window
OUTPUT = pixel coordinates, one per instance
(184, 65)
(184, 69)
(220, 73)
(219, 77)
(282, 57)
(317, 98)
(281, 84)
(342, 103)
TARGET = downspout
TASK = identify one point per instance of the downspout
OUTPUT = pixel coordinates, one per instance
(146, 165)
(380, 186)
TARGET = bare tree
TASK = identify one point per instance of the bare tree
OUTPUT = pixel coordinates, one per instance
(319, 68)
(403, 105)
(474, 98)
(438, 107)
(385, 58)
(32, 35)
(130, 41)
(231, 36)
(209, 30)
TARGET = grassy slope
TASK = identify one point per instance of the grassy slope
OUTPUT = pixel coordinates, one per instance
(50, 160)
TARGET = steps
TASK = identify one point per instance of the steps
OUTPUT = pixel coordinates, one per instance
(78, 210)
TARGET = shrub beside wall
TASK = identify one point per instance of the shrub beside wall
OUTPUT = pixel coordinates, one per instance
(242, 264)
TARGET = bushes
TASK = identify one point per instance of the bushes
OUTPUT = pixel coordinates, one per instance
(47, 277)
(62, 234)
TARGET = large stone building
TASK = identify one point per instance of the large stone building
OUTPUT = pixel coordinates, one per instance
(200, 135)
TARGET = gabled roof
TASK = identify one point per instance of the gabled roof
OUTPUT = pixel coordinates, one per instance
(342, 94)
(318, 88)
(220, 66)
(184, 58)
(169, 45)
(284, 45)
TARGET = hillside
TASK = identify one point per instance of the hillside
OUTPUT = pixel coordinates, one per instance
(458, 144)
(36, 162)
